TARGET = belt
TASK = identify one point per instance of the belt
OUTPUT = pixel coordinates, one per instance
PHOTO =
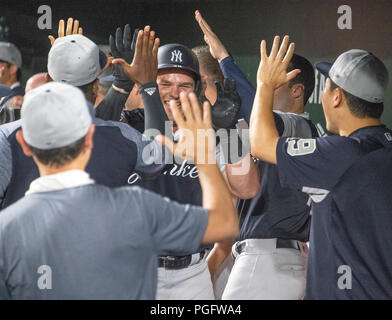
(280, 243)
(179, 262)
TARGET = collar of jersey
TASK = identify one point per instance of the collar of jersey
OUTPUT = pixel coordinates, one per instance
(364, 129)
(59, 181)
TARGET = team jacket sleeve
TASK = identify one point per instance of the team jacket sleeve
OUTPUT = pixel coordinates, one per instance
(4, 294)
(314, 166)
(244, 87)
(5, 166)
(111, 106)
(174, 228)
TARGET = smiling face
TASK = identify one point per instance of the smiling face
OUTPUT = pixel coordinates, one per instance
(171, 83)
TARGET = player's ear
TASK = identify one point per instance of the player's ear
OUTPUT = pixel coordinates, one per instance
(88, 141)
(204, 78)
(297, 91)
(23, 144)
(337, 97)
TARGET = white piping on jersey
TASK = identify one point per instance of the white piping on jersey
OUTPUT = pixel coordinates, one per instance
(317, 195)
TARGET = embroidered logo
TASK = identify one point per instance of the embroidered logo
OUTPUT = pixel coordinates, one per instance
(150, 91)
(176, 56)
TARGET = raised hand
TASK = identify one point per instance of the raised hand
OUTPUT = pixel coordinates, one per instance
(143, 68)
(227, 105)
(197, 140)
(217, 49)
(72, 28)
(273, 68)
(123, 47)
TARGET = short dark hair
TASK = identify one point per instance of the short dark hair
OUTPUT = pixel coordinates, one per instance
(59, 157)
(87, 88)
(305, 77)
(208, 64)
(360, 108)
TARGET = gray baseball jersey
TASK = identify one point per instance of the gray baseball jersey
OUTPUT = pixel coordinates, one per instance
(92, 242)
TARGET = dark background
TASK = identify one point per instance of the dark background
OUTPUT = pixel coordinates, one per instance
(241, 25)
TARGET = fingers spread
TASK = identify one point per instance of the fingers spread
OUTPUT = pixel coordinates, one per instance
(69, 27)
(113, 48)
(292, 74)
(60, 31)
(177, 115)
(127, 38)
(196, 108)
(119, 40)
(139, 46)
(289, 54)
(186, 107)
(51, 39)
(283, 48)
(275, 46)
(146, 36)
(135, 34)
(75, 27)
(263, 50)
(207, 113)
(151, 42)
(80, 31)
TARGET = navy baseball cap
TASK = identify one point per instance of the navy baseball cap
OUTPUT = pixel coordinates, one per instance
(358, 72)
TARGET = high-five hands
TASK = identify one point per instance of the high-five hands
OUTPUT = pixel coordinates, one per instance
(143, 68)
(72, 28)
(273, 68)
(197, 138)
(217, 49)
(122, 46)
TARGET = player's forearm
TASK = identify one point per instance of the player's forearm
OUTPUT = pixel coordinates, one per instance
(223, 218)
(111, 106)
(154, 113)
(262, 130)
(243, 178)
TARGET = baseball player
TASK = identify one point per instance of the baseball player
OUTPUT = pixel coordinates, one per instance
(88, 241)
(10, 75)
(118, 151)
(353, 103)
(276, 218)
(178, 71)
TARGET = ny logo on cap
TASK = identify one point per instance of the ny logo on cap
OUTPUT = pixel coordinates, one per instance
(176, 56)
